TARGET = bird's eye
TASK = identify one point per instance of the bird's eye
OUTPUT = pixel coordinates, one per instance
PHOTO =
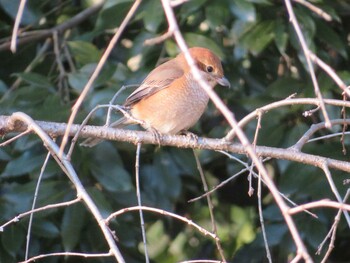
(210, 69)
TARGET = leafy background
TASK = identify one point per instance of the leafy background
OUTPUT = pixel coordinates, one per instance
(263, 61)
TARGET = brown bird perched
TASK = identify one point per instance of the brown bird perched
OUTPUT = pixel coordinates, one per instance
(170, 100)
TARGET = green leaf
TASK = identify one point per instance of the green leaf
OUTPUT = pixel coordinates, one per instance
(329, 36)
(26, 163)
(72, 224)
(12, 238)
(217, 15)
(101, 201)
(4, 156)
(31, 12)
(112, 14)
(107, 169)
(152, 21)
(84, 52)
(191, 6)
(284, 87)
(281, 36)
(275, 233)
(3, 87)
(45, 228)
(193, 40)
(35, 79)
(296, 178)
(243, 10)
(162, 179)
(265, 2)
(257, 39)
(77, 80)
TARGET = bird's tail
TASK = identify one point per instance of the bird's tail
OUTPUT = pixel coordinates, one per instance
(91, 142)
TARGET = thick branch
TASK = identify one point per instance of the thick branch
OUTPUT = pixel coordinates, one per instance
(54, 129)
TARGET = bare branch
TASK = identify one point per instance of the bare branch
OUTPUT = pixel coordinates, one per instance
(10, 124)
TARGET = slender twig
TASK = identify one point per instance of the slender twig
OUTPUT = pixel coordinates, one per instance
(332, 233)
(262, 224)
(162, 212)
(247, 168)
(282, 103)
(319, 204)
(16, 25)
(139, 201)
(36, 192)
(210, 205)
(335, 190)
(68, 254)
(341, 84)
(306, 51)
(255, 141)
(313, 129)
(315, 9)
(15, 138)
(43, 208)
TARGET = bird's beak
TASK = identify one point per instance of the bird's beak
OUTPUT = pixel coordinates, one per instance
(223, 82)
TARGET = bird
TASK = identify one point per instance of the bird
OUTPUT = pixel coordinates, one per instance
(170, 100)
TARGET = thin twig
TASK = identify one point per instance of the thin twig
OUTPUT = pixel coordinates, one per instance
(315, 9)
(139, 202)
(15, 138)
(319, 204)
(313, 129)
(162, 212)
(335, 190)
(44, 208)
(36, 192)
(278, 104)
(68, 254)
(262, 224)
(210, 206)
(16, 25)
(341, 84)
(306, 51)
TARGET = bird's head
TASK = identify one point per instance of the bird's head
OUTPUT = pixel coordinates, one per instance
(209, 64)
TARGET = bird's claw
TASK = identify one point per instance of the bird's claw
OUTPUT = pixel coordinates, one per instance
(157, 136)
(190, 135)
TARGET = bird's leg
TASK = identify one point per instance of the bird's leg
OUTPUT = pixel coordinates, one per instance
(156, 134)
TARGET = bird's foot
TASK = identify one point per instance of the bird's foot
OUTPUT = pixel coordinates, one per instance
(157, 135)
(190, 135)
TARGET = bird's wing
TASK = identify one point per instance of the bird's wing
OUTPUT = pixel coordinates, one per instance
(160, 78)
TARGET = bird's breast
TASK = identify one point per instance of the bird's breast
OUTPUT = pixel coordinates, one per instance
(173, 109)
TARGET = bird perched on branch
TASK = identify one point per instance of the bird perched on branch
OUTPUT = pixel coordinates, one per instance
(170, 100)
